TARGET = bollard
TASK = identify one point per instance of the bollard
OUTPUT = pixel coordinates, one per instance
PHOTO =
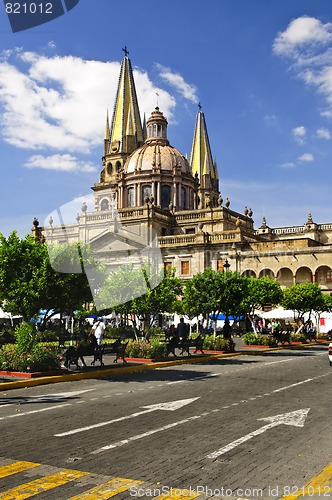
(330, 353)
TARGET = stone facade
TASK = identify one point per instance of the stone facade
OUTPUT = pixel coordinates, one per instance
(149, 194)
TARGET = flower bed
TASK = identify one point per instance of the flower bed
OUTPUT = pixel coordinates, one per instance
(252, 339)
(217, 344)
(27, 355)
(146, 350)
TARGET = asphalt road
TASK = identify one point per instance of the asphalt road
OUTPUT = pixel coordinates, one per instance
(209, 428)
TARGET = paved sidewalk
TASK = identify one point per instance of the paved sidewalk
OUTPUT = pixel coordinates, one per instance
(114, 369)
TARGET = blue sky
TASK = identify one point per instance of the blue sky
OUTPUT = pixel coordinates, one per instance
(262, 70)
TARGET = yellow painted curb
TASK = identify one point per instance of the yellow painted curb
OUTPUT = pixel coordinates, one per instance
(5, 386)
(319, 485)
(70, 377)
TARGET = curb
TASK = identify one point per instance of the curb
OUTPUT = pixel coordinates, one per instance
(107, 372)
(5, 386)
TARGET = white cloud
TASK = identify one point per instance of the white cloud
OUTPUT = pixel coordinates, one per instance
(187, 90)
(289, 164)
(61, 163)
(323, 133)
(270, 120)
(60, 102)
(299, 134)
(307, 42)
(306, 157)
(302, 33)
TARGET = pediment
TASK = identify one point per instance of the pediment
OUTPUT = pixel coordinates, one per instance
(118, 241)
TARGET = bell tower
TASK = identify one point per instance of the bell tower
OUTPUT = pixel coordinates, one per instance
(202, 165)
(123, 137)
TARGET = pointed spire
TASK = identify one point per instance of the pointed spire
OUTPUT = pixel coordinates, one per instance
(202, 165)
(126, 132)
(201, 157)
(107, 134)
(107, 128)
(144, 127)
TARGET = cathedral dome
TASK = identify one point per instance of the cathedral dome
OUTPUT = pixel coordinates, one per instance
(157, 154)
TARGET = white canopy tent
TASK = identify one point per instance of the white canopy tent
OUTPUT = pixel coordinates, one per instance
(280, 313)
(8, 316)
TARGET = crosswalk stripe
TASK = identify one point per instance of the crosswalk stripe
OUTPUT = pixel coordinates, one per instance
(15, 467)
(45, 483)
(107, 490)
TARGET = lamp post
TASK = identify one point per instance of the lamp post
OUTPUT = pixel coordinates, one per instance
(226, 325)
(149, 201)
(226, 266)
(236, 255)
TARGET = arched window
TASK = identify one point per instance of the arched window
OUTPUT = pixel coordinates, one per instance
(146, 192)
(165, 196)
(183, 198)
(109, 168)
(104, 205)
(118, 166)
(130, 197)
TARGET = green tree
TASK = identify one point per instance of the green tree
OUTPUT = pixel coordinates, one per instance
(161, 299)
(260, 292)
(213, 292)
(129, 291)
(302, 298)
(29, 283)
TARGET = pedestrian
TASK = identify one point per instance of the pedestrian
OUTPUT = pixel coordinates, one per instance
(182, 329)
(98, 330)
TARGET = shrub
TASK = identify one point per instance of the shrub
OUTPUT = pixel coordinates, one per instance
(299, 337)
(39, 359)
(113, 332)
(27, 355)
(146, 350)
(218, 344)
(26, 337)
(251, 338)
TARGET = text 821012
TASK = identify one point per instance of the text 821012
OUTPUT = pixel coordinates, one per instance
(29, 8)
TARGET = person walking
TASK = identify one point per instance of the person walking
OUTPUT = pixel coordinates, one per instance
(183, 329)
(98, 330)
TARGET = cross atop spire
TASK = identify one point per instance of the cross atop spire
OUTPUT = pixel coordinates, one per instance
(199, 106)
(126, 51)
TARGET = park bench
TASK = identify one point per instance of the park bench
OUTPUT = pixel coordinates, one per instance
(311, 335)
(185, 345)
(74, 354)
(281, 337)
(118, 348)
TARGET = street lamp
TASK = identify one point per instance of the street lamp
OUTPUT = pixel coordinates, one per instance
(226, 325)
(149, 201)
(226, 266)
(237, 256)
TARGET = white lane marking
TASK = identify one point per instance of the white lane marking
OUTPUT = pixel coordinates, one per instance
(299, 383)
(35, 411)
(295, 418)
(47, 398)
(145, 434)
(170, 406)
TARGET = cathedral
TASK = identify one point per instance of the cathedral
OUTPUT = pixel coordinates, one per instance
(149, 195)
